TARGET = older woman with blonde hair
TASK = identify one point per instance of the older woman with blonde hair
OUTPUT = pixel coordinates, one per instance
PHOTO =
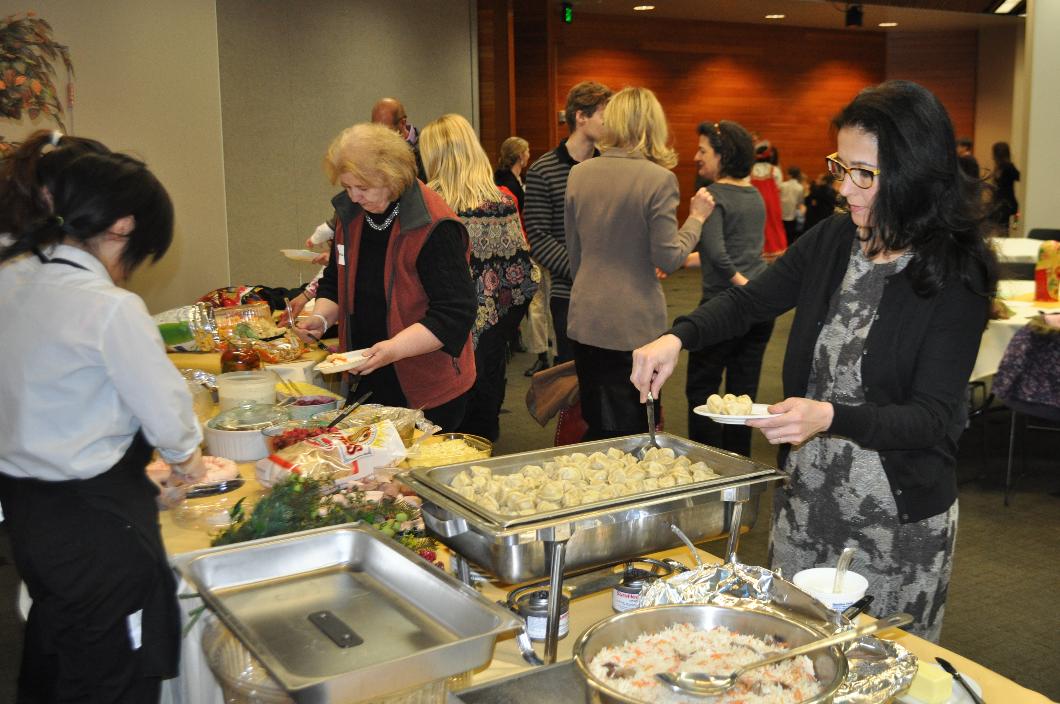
(621, 224)
(397, 284)
(458, 169)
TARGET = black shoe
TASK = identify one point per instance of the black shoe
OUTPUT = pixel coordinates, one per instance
(538, 366)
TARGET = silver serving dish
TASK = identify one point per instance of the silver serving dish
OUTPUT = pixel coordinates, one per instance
(830, 665)
(513, 547)
(346, 615)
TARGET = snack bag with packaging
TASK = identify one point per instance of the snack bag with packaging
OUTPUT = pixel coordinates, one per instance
(355, 452)
(1047, 272)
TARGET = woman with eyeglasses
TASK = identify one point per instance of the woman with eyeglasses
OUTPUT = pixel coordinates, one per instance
(890, 300)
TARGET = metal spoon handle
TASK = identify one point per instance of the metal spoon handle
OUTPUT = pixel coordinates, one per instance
(884, 623)
(651, 419)
(841, 567)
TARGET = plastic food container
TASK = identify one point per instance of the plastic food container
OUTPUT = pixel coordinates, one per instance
(237, 432)
(237, 388)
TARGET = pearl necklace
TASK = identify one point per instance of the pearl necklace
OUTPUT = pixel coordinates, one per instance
(386, 223)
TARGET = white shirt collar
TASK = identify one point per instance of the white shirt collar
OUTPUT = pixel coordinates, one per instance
(79, 256)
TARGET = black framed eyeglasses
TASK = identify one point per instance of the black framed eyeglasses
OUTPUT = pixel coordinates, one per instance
(861, 176)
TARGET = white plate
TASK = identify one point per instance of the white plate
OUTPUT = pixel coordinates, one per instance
(957, 695)
(300, 255)
(758, 410)
(353, 359)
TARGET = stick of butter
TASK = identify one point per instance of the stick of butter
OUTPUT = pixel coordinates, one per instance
(932, 684)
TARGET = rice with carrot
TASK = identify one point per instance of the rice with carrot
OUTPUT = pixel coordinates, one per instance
(631, 667)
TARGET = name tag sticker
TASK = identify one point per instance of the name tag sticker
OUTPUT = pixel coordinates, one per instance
(133, 623)
(341, 250)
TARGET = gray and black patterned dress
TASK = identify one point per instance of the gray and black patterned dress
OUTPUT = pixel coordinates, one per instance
(839, 495)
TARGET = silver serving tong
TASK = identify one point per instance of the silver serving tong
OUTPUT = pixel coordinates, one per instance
(702, 684)
(642, 451)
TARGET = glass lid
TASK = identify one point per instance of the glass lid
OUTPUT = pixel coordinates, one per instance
(249, 416)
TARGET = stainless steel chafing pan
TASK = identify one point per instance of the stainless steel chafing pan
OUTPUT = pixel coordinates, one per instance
(513, 547)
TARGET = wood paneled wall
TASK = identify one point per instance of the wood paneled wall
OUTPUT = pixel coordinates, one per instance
(496, 86)
(535, 74)
(783, 83)
(944, 62)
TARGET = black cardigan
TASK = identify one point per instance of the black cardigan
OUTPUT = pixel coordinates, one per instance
(917, 359)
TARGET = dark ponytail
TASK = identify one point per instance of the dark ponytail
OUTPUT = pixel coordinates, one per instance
(90, 189)
(29, 170)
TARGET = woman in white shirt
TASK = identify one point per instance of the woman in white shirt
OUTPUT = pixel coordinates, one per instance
(87, 393)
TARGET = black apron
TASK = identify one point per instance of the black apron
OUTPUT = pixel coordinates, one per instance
(119, 506)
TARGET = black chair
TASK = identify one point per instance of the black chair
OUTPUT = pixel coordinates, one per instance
(1029, 412)
(1044, 233)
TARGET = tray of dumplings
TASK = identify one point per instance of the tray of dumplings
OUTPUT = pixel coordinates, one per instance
(611, 501)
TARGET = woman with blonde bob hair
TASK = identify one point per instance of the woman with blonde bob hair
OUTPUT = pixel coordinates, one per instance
(634, 121)
(621, 225)
(458, 169)
(397, 283)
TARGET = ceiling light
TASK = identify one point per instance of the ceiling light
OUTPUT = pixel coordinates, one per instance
(775, 17)
(643, 8)
(1006, 7)
(888, 24)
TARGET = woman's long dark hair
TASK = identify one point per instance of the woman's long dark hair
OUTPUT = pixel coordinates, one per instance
(88, 191)
(925, 202)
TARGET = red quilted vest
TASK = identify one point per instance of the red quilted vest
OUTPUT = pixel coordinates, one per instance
(431, 379)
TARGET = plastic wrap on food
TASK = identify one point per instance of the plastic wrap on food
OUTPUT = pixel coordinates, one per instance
(188, 328)
(406, 420)
(356, 451)
(879, 669)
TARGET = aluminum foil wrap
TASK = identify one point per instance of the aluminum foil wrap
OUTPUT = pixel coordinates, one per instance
(879, 669)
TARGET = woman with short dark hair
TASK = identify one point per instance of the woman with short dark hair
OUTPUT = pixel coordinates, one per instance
(730, 254)
(88, 394)
(890, 300)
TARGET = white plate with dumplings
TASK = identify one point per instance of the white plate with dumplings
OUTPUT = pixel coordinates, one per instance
(732, 410)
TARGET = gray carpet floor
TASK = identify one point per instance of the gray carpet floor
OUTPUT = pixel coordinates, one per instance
(1001, 610)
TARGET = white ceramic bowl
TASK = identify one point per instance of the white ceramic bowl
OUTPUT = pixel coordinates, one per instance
(817, 582)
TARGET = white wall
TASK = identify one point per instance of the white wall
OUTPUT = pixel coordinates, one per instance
(295, 74)
(1041, 205)
(996, 82)
(147, 82)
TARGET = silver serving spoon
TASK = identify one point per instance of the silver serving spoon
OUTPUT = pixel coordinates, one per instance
(704, 684)
(841, 567)
(641, 452)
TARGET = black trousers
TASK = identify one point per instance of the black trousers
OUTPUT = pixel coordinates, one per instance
(90, 561)
(559, 308)
(740, 361)
(611, 404)
(491, 366)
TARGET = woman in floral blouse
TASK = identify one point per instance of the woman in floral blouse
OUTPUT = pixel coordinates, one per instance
(458, 169)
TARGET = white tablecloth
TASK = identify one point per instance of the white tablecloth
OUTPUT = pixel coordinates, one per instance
(999, 333)
(1016, 250)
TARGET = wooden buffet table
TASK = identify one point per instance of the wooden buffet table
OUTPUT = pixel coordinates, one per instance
(196, 684)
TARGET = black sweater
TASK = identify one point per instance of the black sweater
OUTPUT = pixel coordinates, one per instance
(918, 356)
